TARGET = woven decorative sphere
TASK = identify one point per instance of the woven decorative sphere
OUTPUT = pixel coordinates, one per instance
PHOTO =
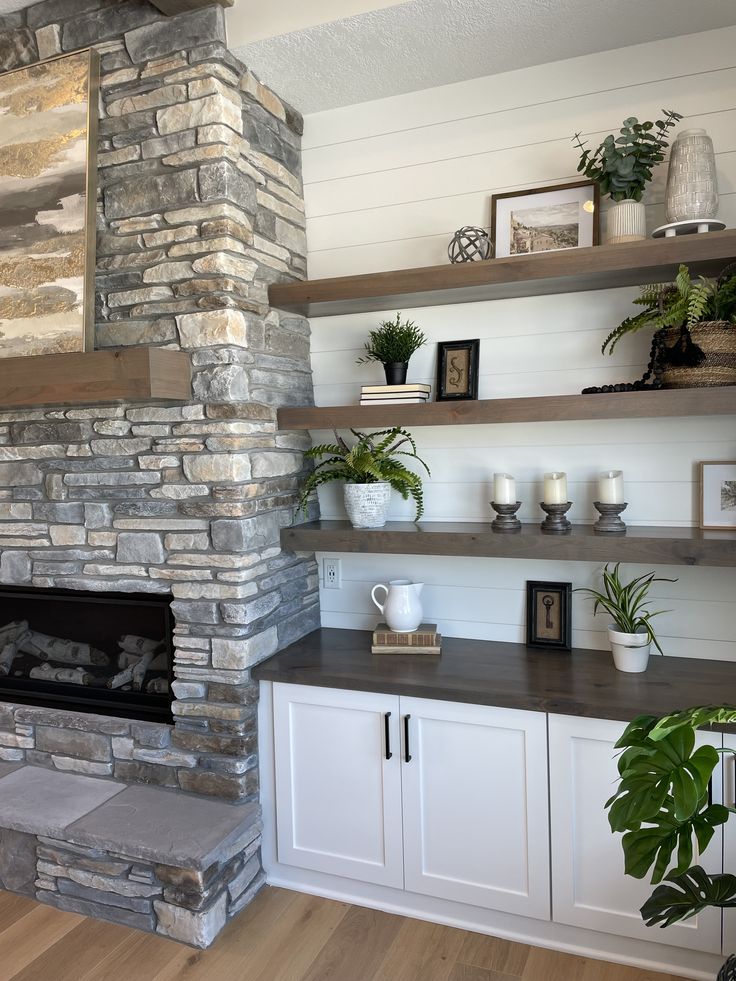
(728, 971)
(470, 244)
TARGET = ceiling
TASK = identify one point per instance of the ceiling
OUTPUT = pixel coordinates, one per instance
(423, 43)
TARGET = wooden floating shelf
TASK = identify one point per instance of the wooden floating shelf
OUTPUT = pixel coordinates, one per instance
(135, 374)
(553, 408)
(649, 545)
(568, 271)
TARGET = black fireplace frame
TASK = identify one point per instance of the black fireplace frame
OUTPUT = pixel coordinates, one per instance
(140, 706)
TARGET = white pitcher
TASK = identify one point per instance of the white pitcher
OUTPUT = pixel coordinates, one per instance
(401, 607)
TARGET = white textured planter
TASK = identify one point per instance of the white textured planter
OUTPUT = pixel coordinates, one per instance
(367, 504)
(630, 651)
(627, 222)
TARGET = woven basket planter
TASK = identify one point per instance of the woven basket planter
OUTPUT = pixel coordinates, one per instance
(717, 341)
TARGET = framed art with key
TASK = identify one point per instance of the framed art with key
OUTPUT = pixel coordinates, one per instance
(549, 615)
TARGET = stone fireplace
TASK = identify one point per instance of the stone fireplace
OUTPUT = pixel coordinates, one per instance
(199, 210)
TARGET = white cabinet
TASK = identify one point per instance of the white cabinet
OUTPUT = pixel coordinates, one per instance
(338, 782)
(476, 805)
(589, 888)
(729, 839)
(474, 827)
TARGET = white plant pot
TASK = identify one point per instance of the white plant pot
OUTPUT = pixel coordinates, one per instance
(367, 504)
(630, 651)
(627, 222)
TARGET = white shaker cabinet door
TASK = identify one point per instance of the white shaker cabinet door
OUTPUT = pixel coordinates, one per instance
(589, 886)
(476, 824)
(338, 782)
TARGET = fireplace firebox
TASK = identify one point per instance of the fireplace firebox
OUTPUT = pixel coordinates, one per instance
(90, 652)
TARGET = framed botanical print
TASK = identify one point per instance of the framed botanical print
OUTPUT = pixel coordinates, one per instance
(457, 370)
(718, 494)
(545, 219)
(48, 141)
(549, 615)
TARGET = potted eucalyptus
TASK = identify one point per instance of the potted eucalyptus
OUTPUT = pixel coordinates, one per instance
(370, 469)
(393, 344)
(664, 810)
(631, 634)
(695, 329)
(622, 167)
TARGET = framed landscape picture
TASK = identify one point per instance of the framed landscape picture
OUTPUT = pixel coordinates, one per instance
(545, 219)
(718, 494)
(549, 615)
(48, 138)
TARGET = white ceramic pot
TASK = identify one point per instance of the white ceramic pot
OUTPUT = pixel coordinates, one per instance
(630, 651)
(367, 504)
(402, 606)
(692, 183)
(627, 222)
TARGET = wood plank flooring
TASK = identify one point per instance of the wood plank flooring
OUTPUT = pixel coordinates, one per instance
(282, 936)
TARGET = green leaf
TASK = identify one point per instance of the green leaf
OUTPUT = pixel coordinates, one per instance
(690, 893)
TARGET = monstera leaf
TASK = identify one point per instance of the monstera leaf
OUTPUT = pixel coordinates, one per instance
(689, 894)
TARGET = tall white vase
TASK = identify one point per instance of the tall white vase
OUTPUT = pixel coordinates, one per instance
(692, 183)
(627, 222)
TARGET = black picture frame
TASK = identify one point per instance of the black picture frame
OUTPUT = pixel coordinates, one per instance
(556, 632)
(465, 388)
(566, 191)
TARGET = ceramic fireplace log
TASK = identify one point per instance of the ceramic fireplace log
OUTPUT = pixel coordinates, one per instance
(12, 632)
(64, 651)
(140, 670)
(157, 686)
(132, 644)
(69, 676)
(7, 655)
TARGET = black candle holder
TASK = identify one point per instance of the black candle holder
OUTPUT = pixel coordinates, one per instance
(609, 522)
(556, 523)
(506, 520)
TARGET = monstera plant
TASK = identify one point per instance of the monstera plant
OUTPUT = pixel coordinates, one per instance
(664, 808)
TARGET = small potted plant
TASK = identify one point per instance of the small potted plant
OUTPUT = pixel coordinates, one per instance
(631, 634)
(370, 469)
(393, 344)
(622, 167)
(695, 324)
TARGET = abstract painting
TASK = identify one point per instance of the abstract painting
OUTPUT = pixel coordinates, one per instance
(47, 199)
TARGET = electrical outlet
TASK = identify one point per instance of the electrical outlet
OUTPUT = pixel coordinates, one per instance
(331, 573)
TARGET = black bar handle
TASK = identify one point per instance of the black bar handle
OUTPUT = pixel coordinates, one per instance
(387, 734)
(407, 754)
(710, 791)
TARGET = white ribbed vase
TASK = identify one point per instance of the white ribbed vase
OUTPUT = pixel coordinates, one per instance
(367, 504)
(627, 222)
(692, 184)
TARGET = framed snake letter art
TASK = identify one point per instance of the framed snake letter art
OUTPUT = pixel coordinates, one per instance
(457, 370)
(548, 615)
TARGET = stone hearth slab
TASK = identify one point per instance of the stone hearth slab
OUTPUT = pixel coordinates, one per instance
(6, 768)
(166, 826)
(45, 802)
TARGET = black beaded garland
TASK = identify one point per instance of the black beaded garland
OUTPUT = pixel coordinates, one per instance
(470, 244)
(641, 384)
(728, 971)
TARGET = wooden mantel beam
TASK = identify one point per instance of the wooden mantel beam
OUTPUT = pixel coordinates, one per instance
(172, 7)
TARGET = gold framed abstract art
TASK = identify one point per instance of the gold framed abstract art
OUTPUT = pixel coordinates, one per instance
(48, 139)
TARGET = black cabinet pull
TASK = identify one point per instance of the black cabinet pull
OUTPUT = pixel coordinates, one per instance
(407, 754)
(387, 734)
(710, 791)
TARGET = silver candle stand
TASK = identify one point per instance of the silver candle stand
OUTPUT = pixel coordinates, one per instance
(556, 523)
(506, 520)
(609, 522)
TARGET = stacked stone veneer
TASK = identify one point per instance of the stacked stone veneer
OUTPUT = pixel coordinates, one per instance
(199, 209)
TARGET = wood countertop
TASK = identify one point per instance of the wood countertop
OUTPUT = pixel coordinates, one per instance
(581, 683)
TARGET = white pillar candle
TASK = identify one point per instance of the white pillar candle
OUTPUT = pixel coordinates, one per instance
(504, 488)
(555, 488)
(611, 487)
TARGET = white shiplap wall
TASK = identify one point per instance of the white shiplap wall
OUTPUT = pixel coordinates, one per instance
(387, 183)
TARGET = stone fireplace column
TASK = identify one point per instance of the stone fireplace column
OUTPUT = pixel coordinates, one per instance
(199, 209)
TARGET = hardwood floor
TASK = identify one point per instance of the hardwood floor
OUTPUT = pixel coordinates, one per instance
(282, 936)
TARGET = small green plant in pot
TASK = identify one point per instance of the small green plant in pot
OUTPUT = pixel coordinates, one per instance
(371, 468)
(665, 810)
(695, 329)
(631, 633)
(622, 166)
(393, 344)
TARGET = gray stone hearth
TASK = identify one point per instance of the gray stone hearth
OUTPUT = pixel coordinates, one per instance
(199, 209)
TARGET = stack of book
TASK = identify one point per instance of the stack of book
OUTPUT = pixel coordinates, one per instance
(394, 394)
(423, 640)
